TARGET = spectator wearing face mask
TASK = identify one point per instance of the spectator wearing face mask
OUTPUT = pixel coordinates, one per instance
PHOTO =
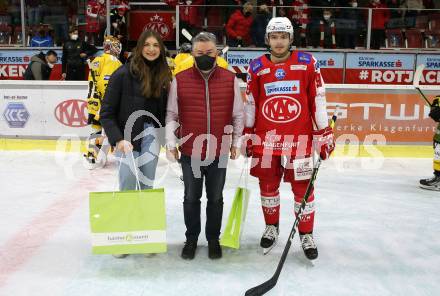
(41, 39)
(239, 25)
(41, 66)
(322, 32)
(75, 54)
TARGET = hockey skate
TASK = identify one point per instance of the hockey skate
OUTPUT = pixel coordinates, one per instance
(309, 246)
(269, 238)
(432, 183)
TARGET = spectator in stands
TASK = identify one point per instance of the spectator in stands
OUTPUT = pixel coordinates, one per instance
(190, 15)
(119, 27)
(258, 29)
(394, 6)
(349, 25)
(412, 9)
(380, 18)
(41, 66)
(33, 9)
(75, 54)
(300, 20)
(239, 25)
(316, 13)
(322, 32)
(41, 39)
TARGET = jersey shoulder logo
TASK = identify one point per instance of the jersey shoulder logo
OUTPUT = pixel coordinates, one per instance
(256, 65)
(304, 57)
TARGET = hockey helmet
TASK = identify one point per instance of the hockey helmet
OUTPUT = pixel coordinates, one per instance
(278, 24)
(112, 44)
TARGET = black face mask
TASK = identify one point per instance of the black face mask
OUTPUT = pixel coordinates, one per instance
(247, 14)
(204, 62)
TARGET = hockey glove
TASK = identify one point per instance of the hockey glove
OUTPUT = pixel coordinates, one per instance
(93, 106)
(435, 110)
(324, 142)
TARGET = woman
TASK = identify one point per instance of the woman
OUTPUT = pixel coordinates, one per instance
(140, 86)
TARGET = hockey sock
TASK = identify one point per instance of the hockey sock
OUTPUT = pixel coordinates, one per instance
(308, 214)
(270, 201)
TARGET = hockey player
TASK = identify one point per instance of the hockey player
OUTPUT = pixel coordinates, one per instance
(184, 53)
(433, 183)
(101, 69)
(286, 110)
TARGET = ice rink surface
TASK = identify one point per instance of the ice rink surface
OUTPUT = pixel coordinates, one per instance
(376, 231)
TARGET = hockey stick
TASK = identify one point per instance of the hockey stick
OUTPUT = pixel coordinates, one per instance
(269, 284)
(188, 36)
(416, 82)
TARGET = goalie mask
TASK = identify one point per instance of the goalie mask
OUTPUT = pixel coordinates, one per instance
(112, 44)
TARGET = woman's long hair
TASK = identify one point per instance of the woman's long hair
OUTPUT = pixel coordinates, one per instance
(153, 79)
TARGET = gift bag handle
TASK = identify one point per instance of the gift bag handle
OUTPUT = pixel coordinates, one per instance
(138, 184)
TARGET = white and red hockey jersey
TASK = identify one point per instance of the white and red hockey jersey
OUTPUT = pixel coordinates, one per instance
(285, 103)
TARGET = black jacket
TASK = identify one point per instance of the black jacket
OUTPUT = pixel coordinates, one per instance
(71, 54)
(38, 69)
(123, 96)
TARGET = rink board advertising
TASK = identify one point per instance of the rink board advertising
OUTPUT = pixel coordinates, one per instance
(39, 110)
(13, 64)
(395, 117)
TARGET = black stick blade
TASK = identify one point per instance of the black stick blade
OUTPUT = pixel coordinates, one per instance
(262, 288)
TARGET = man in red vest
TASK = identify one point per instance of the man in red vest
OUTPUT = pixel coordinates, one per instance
(286, 110)
(206, 108)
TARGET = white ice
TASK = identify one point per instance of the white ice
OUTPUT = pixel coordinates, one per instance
(377, 234)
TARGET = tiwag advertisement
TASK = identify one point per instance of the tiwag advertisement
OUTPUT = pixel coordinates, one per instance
(394, 116)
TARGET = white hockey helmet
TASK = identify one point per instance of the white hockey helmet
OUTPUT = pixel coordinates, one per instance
(279, 24)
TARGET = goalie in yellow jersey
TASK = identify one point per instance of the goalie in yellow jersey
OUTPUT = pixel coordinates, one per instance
(101, 68)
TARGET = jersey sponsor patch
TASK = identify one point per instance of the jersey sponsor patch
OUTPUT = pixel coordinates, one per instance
(263, 72)
(298, 67)
(280, 74)
(281, 109)
(107, 77)
(256, 65)
(304, 57)
(303, 168)
(286, 87)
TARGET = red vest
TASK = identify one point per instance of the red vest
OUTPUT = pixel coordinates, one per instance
(205, 108)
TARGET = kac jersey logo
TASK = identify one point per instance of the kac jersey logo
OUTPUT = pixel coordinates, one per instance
(280, 74)
(281, 109)
(16, 115)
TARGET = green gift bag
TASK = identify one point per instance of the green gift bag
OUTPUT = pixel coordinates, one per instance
(234, 228)
(128, 222)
